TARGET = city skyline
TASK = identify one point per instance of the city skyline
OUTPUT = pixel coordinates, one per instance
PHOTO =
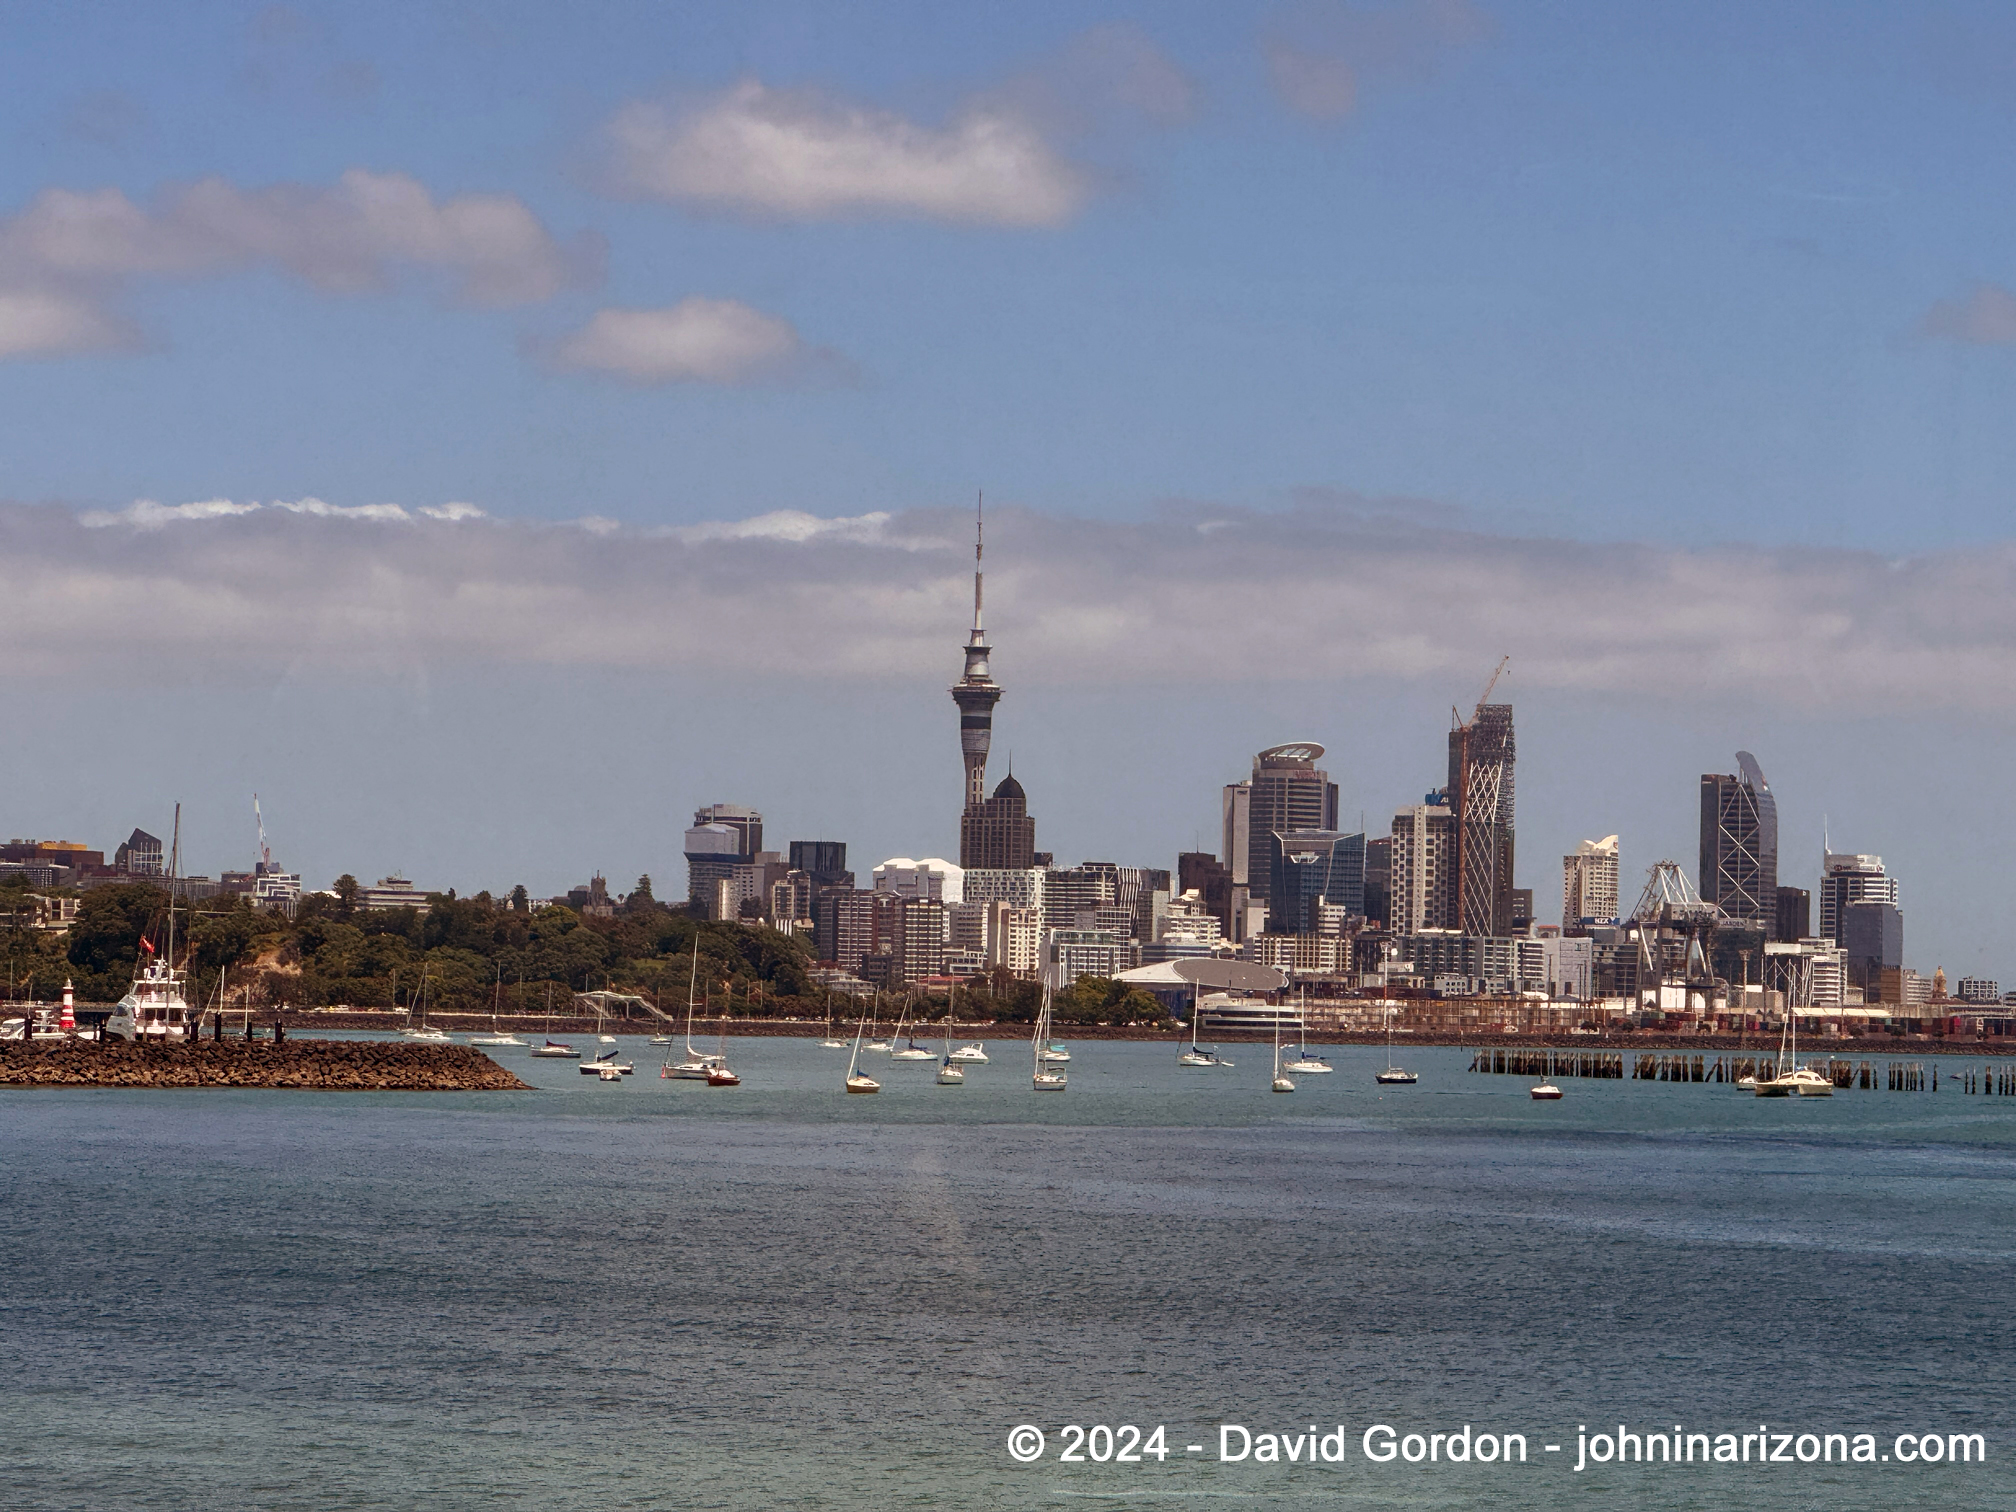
(493, 443)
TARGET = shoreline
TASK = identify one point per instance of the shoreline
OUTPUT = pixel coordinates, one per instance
(534, 1026)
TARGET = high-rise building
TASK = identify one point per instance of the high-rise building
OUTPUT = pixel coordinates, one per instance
(1589, 885)
(140, 856)
(1795, 914)
(975, 693)
(1846, 879)
(998, 834)
(1287, 791)
(1308, 867)
(1422, 890)
(824, 861)
(724, 836)
(1739, 843)
(1204, 874)
(928, 878)
(1480, 794)
(1872, 940)
(1379, 880)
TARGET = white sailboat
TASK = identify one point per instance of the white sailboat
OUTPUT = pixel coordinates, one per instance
(857, 1081)
(875, 1043)
(1393, 1076)
(553, 1049)
(1199, 1055)
(496, 1036)
(1047, 1077)
(950, 1073)
(1280, 1083)
(697, 1065)
(830, 1043)
(911, 1050)
(1307, 1062)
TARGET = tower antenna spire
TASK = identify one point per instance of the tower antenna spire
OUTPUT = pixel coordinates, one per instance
(979, 544)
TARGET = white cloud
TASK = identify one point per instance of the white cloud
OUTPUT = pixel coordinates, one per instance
(1986, 317)
(802, 155)
(695, 341)
(1360, 589)
(68, 257)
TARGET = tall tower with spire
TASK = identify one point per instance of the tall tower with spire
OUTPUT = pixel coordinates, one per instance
(976, 692)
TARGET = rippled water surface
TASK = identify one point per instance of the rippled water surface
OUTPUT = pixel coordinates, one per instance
(654, 1294)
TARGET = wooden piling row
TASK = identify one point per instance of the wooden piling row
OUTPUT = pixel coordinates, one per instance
(1896, 1076)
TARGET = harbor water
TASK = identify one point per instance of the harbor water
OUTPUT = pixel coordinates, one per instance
(655, 1294)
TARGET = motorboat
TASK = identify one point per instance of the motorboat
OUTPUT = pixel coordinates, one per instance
(495, 1039)
(554, 1050)
(856, 1080)
(1544, 1091)
(1393, 1076)
(610, 1074)
(974, 1054)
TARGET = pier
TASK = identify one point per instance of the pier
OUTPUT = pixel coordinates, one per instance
(1727, 1070)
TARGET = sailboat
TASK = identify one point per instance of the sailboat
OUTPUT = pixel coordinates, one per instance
(1306, 1061)
(495, 1036)
(974, 1053)
(911, 1051)
(875, 1043)
(1047, 1078)
(950, 1074)
(1198, 1055)
(420, 1031)
(830, 1043)
(718, 1074)
(1788, 1078)
(856, 1080)
(1280, 1083)
(553, 1049)
(697, 1066)
(1393, 1076)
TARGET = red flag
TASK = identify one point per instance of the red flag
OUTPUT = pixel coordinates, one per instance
(146, 944)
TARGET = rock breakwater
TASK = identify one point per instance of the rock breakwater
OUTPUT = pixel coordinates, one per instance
(308, 1065)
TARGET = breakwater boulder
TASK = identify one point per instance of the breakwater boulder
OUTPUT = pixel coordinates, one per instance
(309, 1065)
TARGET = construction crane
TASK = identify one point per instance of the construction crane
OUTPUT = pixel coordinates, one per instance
(1482, 698)
(265, 855)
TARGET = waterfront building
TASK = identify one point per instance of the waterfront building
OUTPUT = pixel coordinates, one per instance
(1300, 954)
(998, 835)
(1589, 885)
(1423, 868)
(1851, 878)
(1070, 891)
(1480, 791)
(1739, 843)
(1568, 964)
(1978, 990)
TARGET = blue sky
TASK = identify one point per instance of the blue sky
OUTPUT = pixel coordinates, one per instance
(1725, 287)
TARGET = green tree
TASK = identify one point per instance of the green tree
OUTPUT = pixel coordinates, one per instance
(346, 890)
